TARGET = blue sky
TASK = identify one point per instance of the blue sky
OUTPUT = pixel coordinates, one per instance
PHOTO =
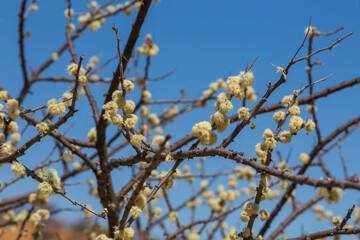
(203, 40)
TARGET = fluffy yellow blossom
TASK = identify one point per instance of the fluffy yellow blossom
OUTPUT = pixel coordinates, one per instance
(45, 189)
(129, 107)
(261, 150)
(310, 32)
(51, 176)
(140, 201)
(117, 119)
(158, 140)
(13, 127)
(128, 233)
(286, 101)
(244, 216)
(44, 213)
(271, 142)
(77, 165)
(55, 108)
(328, 214)
(309, 125)
(243, 113)
(208, 93)
(246, 79)
(111, 107)
(193, 236)
(157, 212)
(69, 13)
(357, 215)
(92, 135)
(233, 85)
(294, 110)
(3, 95)
(202, 131)
(42, 127)
(111, 9)
(173, 216)
(332, 195)
(251, 208)
(17, 168)
(246, 232)
(73, 68)
(295, 124)
(71, 27)
(128, 86)
(118, 98)
(224, 107)
(148, 48)
(68, 156)
(215, 205)
(34, 219)
(264, 215)
(285, 137)
(95, 25)
(136, 139)
(84, 18)
(304, 158)
(135, 212)
(34, 7)
(12, 105)
(283, 184)
(38, 200)
(279, 116)
(154, 119)
(250, 94)
(9, 216)
(309, 109)
(268, 133)
(146, 95)
(88, 214)
(221, 121)
(144, 112)
(336, 221)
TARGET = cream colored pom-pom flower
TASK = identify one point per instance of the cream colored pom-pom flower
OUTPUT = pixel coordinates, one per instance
(285, 136)
(135, 212)
(251, 208)
(136, 139)
(128, 86)
(12, 105)
(129, 107)
(221, 121)
(243, 113)
(295, 124)
(264, 215)
(173, 216)
(294, 110)
(304, 158)
(17, 168)
(279, 116)
(202, 130)
(309, 125)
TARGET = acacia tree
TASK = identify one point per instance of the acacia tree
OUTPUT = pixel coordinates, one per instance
(144, 203)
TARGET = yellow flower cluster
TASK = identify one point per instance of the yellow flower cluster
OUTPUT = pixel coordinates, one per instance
(17, 168)
(12, 105)
(56, 108)
(148, 48)
(202, 130)
(332, 195)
